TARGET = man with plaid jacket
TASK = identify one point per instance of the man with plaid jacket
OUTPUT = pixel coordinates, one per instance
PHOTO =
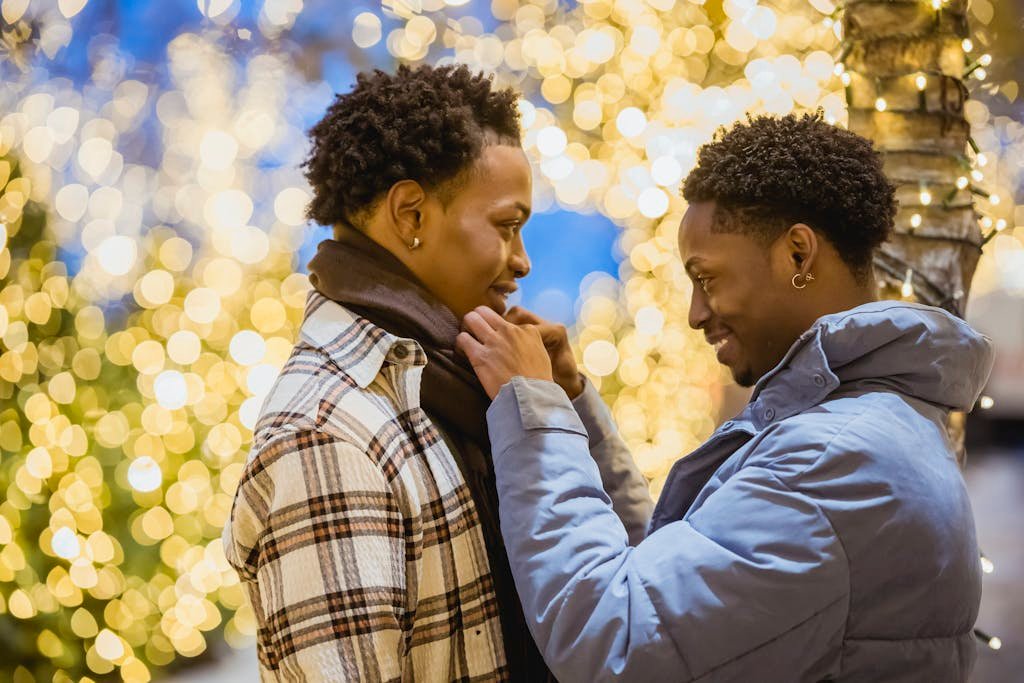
(365, 521)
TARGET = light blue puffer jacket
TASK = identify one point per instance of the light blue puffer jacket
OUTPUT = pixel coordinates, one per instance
(823, 534)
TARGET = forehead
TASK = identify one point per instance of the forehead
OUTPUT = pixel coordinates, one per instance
(695, 230)
(698, 244)
(501, 173)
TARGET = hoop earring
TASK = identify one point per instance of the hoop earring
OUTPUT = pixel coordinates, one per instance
(807, 278)
(415, 243)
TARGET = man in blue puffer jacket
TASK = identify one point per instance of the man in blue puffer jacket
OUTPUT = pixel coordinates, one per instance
(824, 533)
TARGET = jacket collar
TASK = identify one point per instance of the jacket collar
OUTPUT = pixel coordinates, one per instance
(915, 350)
(358, 347)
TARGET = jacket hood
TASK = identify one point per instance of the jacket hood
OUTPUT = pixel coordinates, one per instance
(915, 350)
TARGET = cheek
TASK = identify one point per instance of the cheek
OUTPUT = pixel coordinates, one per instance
(486, 252)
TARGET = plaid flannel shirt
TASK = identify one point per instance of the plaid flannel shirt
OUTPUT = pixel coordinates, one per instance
(352, 527)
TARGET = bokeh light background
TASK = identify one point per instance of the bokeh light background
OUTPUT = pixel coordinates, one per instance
(154, 249)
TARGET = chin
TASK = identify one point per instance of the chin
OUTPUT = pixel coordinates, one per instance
(496, 302)
(744, 377)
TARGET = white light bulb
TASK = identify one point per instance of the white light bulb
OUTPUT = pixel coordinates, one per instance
(65, 543)
(880, 104)
(631, 121)
(907, 290)
(144, 474)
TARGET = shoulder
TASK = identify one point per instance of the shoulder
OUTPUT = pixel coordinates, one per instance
(878, 428)
(291, 465)
(312, 394)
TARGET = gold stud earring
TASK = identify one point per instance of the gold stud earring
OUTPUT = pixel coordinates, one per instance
(415, 243)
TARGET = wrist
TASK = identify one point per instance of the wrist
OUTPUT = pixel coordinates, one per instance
(573, 386)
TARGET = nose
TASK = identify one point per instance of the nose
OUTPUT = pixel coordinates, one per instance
(519, 261)
(699, 312)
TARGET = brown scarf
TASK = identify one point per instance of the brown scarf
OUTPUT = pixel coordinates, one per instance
(370, 281)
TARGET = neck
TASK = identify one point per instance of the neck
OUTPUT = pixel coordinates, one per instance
(833, 298)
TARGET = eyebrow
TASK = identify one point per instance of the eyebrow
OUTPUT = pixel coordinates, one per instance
(692, 261)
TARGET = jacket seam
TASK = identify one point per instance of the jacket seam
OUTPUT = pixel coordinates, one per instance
(768, 642)
(839, 539)
(955, 636)
(825, 607)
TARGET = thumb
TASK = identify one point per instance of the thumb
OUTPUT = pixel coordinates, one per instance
(518, 315)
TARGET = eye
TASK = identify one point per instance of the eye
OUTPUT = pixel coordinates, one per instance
(512, 226)
(702, 281)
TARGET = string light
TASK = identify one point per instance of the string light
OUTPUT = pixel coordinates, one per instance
(915, 221)
(993, 642)
(907, 289)
(925, 196)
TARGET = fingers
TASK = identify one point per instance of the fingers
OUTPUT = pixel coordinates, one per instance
(491, 316)
(477, 325)
(468, 345)
(517, 315)
(552, 333)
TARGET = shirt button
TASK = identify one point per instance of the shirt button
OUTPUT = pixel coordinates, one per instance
(769, 414)
(819, 380)
(727, 425)
(401, 352)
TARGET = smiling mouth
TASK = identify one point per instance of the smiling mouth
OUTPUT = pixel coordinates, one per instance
(719, 343)
(501, 295)
(504, 291)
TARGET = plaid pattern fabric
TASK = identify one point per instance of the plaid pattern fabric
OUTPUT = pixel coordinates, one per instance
(352, 527)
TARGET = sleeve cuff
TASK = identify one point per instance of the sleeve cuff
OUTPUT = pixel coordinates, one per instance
(524, 405)
(594, 413)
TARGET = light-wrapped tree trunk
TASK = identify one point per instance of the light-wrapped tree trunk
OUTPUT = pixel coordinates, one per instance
(905, 66)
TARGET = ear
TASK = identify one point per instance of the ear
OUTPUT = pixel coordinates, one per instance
(403, 209)
(801, 245)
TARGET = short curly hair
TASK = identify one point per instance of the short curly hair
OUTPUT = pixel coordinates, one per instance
(427, 124)
(770, 172)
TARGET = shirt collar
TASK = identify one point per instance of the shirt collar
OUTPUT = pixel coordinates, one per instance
(357, 346)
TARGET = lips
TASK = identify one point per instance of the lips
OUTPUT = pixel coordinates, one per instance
(720, 342)
(505, 289)
(500, 294)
